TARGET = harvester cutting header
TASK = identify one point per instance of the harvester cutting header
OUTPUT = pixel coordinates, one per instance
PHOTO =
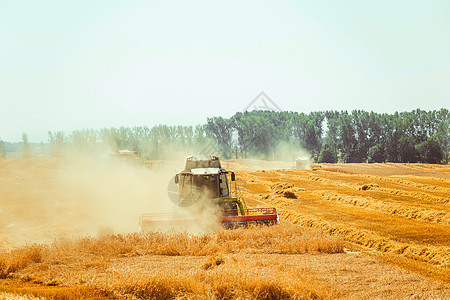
(204, 183)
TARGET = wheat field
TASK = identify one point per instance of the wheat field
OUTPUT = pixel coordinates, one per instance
(218, 271)
(352, 231)
(400, 212)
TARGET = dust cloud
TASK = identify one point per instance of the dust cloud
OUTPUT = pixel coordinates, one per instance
(111, 193)
(284, 156)
(42, 199)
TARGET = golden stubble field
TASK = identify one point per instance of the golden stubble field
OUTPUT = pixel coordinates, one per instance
(354, 231)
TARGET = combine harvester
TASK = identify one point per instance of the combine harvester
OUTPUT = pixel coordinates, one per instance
(214, 192)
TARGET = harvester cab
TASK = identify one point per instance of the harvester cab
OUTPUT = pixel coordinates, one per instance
(205, 184)
(206, 181)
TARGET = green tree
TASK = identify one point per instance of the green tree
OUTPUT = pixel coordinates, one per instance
(347, 137)
(430, 151)
(442, 136)
(327, 154)
(375, 131)
(26, 147)
(248, 132)
(376, 154)
(299, 123)
(393, 135)
(222, 131)
(2, 149)
(361, 121)
(406, 149)
(329, 151)
(313, 133)
(84, 141)
(58, 143)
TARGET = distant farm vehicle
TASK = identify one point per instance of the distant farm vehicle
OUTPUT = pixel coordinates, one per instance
(154, 164)
(132, 157)
(303, 163)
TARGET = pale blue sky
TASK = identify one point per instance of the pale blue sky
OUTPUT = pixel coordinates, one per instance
(67, 65)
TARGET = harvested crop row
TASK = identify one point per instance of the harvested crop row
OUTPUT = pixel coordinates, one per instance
(411, 184)
(343, 180)
(421, 214)
(438, 256)
(422, 167)
(434, 181)
(399, 180)
(433, 215)
(11, 296)
(302, 179)
(329, 182)
(419, 195)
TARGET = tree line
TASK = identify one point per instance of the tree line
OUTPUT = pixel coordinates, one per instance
(329, 136)
(338, 136)
(158, 142)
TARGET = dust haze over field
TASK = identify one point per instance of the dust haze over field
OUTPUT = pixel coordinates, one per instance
(283, 156)
(46, 198)
(75, 195)
(112, 193)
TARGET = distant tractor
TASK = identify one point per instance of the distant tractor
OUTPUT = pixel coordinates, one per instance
(132, 157)
(303, 163)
